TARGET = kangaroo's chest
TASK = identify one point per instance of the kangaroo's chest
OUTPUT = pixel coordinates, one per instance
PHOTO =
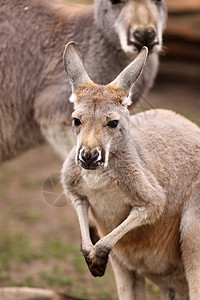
(108, 203)
(149, 249)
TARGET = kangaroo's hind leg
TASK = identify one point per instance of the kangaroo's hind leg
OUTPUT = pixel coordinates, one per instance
(130, 285)
(190, 242)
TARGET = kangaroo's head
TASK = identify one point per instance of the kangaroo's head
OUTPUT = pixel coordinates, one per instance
(101, 118)
(135, 23)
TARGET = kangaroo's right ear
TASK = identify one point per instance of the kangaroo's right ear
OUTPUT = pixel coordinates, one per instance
(126, 79)
(74, 66)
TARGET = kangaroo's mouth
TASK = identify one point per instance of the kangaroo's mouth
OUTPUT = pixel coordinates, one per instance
(91, 166)
(139, 46)
(141, 36)
(92, 159)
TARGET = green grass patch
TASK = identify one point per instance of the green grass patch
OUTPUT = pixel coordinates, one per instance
(79, 263)
(81, 291)
(31, 216)
(4, 279)
(18, 248)
(28, 282)
(15, 247)
(56, 248)
(56, 277)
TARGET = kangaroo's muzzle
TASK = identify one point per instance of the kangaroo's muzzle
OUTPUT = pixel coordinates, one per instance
(144, 36)
(90, 159)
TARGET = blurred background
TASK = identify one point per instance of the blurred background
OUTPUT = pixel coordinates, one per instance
(40, 243)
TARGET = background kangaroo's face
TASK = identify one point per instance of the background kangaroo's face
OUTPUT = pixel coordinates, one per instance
(99, 122)
(135, 23)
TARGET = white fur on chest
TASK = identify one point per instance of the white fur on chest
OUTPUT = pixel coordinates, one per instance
(105, 197)
(96, 179)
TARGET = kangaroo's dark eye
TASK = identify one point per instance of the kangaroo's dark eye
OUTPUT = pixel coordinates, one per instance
(77, 122)
(116, 1)
(113, 123)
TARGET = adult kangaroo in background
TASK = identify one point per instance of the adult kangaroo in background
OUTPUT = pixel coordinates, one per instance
(140, 177)
(33, 87)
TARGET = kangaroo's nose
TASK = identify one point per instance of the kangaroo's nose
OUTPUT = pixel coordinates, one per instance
(145, 36)
(88, 156)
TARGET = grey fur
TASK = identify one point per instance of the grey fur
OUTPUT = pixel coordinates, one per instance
(144, 198)
(78, 76)
(34, 90)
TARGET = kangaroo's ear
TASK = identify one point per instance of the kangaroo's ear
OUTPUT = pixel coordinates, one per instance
(126, 79)
(74, 66)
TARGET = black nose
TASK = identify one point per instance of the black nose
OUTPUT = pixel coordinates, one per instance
(145, 36)
(89, 156)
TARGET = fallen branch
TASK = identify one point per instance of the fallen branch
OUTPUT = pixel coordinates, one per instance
(25, 293)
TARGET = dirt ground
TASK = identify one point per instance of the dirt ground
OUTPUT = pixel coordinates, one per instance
(40, 243)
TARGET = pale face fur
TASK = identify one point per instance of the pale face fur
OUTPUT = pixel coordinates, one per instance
(136, 23)
(94, 131)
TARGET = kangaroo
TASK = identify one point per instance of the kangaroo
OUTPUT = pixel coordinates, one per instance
(139, 177)
(34, 90)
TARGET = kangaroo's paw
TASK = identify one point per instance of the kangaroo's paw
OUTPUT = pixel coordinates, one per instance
(97, 261)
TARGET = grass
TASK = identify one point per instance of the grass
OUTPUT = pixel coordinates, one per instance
(5, 279)
(79, 264)
(28, 282)
(56, 277)
(55, 247)
(15, 247)
(18, 248)
(31, 216)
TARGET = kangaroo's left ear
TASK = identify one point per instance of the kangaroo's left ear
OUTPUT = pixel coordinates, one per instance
(74, 67)
(126, 79)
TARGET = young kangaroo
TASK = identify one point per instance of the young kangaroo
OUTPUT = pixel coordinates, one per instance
(33, 85)
(140, 177)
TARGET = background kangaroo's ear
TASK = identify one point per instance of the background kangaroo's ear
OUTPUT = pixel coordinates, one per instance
(126, 79)
(74, 66)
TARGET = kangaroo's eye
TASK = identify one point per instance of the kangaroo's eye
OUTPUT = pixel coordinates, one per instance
(77, 122)
(116, 1)
(113, 123)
